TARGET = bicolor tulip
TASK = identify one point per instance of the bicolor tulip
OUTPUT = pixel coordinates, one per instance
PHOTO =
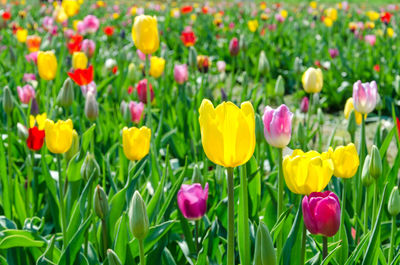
(79, 60)
(157, 66)
(345, 160)
(26, 93)
(312, 80)
(278, 125)
(47, 65)
(348, 107)
(188, 37)
(321, 213)
(58, 135)
(33, 42)
(365, 96)
(192, 200)
(227, 132)
(136, 142)
(88, 47)
(145, 34)
(307, 172)
(141, 89)
(180, 73)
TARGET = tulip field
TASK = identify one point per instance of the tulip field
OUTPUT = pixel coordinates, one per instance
(228, 132)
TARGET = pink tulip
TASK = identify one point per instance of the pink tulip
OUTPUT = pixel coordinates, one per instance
(141, 55)
(25, 93)
(88, 47)
(28, 77)
(181, 73)
(141, 89)
(91, 24)
(321, 213)
(304, 105)
(333, 53)
(279, 18)
(371, 39)
(68, 33)
(31, 57)
(48, 23)
(80, 28)
(221, 65)
(234, 46)
(277, 125)
(365, 96)
(89, 88)
(192, 200)
(136, 110)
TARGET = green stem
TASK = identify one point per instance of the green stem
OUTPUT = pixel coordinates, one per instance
(392, 239)
(366, 210)
(280, 200)
(105, 237)
(324, 247)
(141, 251)
(343, 206)
(358, 178)
(10, 178)
(61, 195)
(303, 244)
(231, 219)
(309, 113)
(196, 235)
(375, 203)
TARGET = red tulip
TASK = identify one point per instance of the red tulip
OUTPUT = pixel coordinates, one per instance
(6, 15)
(188, 38)
(186, 9)
(75, 43)
(385, 18)
(82, 76)
(109, 30)
(35, 139)
(234, 46)
(141, 89)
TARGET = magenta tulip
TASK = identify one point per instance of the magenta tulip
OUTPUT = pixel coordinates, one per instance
(181, 73)
(365, 96)
(234, 47)
(304, 105)
(278, 125)
(136, 110)
(333, 53)
(321, 213)
(192, 200)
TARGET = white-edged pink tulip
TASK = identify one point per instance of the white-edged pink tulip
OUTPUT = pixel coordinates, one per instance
(365, 96)
(278, 125)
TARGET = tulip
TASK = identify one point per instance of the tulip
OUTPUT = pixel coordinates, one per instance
(375, 166)
(234, 47)
(90, 168)
(21, 35)
(33, 42)
(71, 7)
(58, 135)
(141, 89)
(227, 132)
(192, 200)
(138, 219)
(348, 107)
(31, 57)
(252, 25)
(370, 39)
(91, 24)
(333, 53)
(192, 60)
(88, 47)
(79, 60)
(280, 87)
(39, 120)
(321, 213)
(188, 37)
(394, 202)
(221, 65)
(264, 252)
(66, 95)
(136, 142)
(145, 34)
(307, 172)
(181, 73)
(365, 96)
(91, 106)
(304, 105)
(74, 149)
(28, 77)
(22, 132)
(47, 65)
(157, 65)
(82, 77)
(100, 202)
(136, 110)
(26, 93)
(312, 80)
(366, 177)
(263, 64)
(346, 161)
(8, 104)
(35, 138)
(277, 125)
(203, 63)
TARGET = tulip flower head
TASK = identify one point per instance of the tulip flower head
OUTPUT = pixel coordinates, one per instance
(47, 65)
(321, 213)
(141, 89)
(365, 96)
(252, 25)
(188, 37)
(312, 80)
(345, 160)
(136, 109)
(136, 142)
(58, 135)
(88, 47)
(304, 105)
(21, 35)
(26, 93)
(180, 73)
(234, 46)
(79, 60)
(35, 138)
(82, 76)
(33, 43)
(91, 24)
(333, 53)
(192, 200)
(278, 125)
(348, 107)
(157, 66)
(145, 34)
(227, 132)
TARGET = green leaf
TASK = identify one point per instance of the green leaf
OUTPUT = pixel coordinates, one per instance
(330, 256)
(74, 168)
(386, 142)
(243, 219)
(87, 137)
(121, 237)
(19, 240)
(6, 204)
(280, 222)
(294, 233)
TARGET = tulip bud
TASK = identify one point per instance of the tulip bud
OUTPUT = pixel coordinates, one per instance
(22, 131)
(394, 202)
(280, 86)
(91, 106)
(13, 58)
(8, 103)
(234, 46)
(89, 167)
(352, 124)
(192, 57)
(304, 105)
(34, 107)
(366, 177)
(66, 95)
(224, 97)
(263, 64)
(138, 219)
(375, 166)
(197, 177)
(264, 253)
(100, 202)
(131, 73)
(74, 146)
(259, 128)
(113, 258)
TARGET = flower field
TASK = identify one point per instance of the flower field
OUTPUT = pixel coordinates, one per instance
(199, 133)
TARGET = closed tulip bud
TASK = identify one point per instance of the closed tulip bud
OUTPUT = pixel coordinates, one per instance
(366, 177)
(145, 34)
(280, 86)
(304, 105)
(312, 80)
(278, 125)
(192, 200)
(364, 96)
(132, 73)
(192, 57)
(8, 103)
(263, 64)
(89, 167)
(375, 166)
(91, 107)
(352, 124)
(113, 258)
(34, 107)
(74, 146)
(197, 177)
(100, 202)
(234, 46)
(47, 65)
(66, 95)
(22, 132)
(138, 219)
(264, 252)
(394, 202)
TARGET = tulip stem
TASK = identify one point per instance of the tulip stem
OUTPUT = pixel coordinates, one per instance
(10, 180)
(366, 210)
(303, 244)
(231, 219)
(105, 240)
(324, 247)
(309, 114)
(392, 239)
(141, 251)
(61, 194)
(196, 235)
(375, 203)
(280, 200)
(358, 178)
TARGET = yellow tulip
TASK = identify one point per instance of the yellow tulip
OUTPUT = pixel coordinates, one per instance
(284, 13)
(328, 22)
(331, 13)
(369, 25)
(157, 65)
(47, 65)
(348, 107)
(309, 172)
(58, 135)
(373, 15)
(312, 80)
(313, 4)
(79, 60)
(252, 25)
(71, 7)
(22, 35)
(61, 16)
(115, 15)
(227, 132)
(346, 161)
(390, 32)
(136, 142)
(133, 10)
(40, 120)
(145, 34)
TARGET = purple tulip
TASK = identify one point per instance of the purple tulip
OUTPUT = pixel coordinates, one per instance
(304, 105)
(333, 53)
(192, 200)
(181, 73)
(277, 125)
(234, 46)
(365, 96)
(321, 213)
